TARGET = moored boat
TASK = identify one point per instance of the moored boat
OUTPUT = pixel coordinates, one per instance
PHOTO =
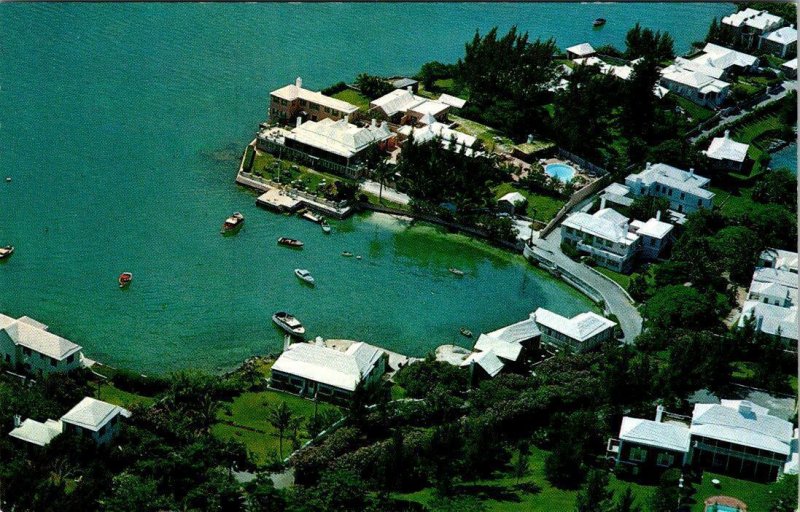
(312, 217)
(347, 254)
(125, 279)
(290, 242)
(326, 228)
(599, 22)
(232, 223)
(465, 332)
(289, 323)
(6, 251)
(305, 275)
(456, 271)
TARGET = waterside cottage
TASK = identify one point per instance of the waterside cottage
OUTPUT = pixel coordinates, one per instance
(580, 333)
(27, 344)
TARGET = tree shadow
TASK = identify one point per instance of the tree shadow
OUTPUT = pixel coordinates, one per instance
(489, 492)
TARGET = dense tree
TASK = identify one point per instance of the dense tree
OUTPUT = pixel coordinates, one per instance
(737, 248)
(420, 379)
(679, 307)
(432, 71)
(638, 112)
(779, 187)
(643, 42)
(595, 494)
(648, 207)
(784, 494)
(626, 503)
(373, 86)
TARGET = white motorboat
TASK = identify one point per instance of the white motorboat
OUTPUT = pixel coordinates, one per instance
(305, 275)
(289, 323)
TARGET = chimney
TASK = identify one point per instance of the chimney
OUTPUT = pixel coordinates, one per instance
(691, 171)
(298, 82)
(658, 215)
(727, 134)
(17, 420)
(530, 138)
(745, 408)
(409, 89)
(659, 413)
(299, 121)
(287, 340)
(602, 202)
(319, 341)
(383, 125)
(374, 123)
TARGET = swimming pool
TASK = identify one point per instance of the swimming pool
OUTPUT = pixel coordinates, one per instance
(561, 172)
(721, 508)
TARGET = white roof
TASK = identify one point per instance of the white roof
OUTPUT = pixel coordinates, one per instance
(772, 318)
(617, 189)
(764, 21)
(452, 101)
(338, 137)
(723, 58)
(686, 74)
(736, 19)
(292, 92)
(28, 333)
(780, 258)
(725, 148)
(783, 36)
(581, 50)
(329, 366)
(429, 107)
(580, 328)
(436, 129)
(37, 433)
(487, 360)
(606, 223)
(742, 423)
(776, 275)
(670, 436)
(399, 100)
(790, 64)
(774, 291)
(92, 414)
(504, 349)
(672, 177)
(513, 198)
(653, 228)
(518, 332)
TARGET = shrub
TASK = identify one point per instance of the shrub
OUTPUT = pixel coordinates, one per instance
(133, 382)
(337, 87)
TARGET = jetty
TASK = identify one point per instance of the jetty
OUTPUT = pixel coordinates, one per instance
(277, 200)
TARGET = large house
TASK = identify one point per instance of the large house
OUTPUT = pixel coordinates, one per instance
(90, 418)
(720, 62)
(726, 154)
(338, 146)
(605, 235)
(686, 81)
(781, 42)
(292, 101)
(402, 106)
(780, 259)
(734, 437)
(686, 191)
(580, 333)
(27, 344)
(748, 25)
(655, 234)
(510, 343)
(432, 129)
(315, 370)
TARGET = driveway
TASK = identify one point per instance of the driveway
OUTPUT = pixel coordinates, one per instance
(373, 187)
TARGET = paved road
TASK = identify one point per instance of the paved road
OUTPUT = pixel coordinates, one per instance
(788, 86)
(616, 300)
(373, 187)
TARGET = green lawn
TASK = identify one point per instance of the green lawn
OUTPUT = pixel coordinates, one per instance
(108, 393)
(485, 133)
(733, 204)
(621, 279)
(755, 495)
(540, 207)
(249, 411)
(354, 98)
(692, 109)
(270, 167)
(746, 133)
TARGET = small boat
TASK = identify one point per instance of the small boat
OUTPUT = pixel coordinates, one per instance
(312, 217)
(305, 275)
(465, 332)
(599, 22)
(358, 257)
(347, 254)
(288, 323)
(326, 228)
(6, 251)
(232, 223)
(8, 179)
(290, 242)
(125, 279)
(456, 271)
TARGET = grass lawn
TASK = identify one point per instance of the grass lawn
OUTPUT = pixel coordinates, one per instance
(530, 493)
(249, 412)
(270, 167)
(692, 109)
(540, 207)
(755, 495)
(108, 393)
(621, 279)
(733, 204)
(486, 134)
(746, 133)
(354, 98)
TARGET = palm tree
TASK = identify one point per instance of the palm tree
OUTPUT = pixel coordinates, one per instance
(282, 420)
(382, 172)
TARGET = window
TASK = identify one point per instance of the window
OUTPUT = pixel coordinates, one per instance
(303, 103)
(8, 358)
(26, 351)
(665, 459)
(102, 431)
(71, 358)
(699, 202)
(683, 195)
(53, 362)
(638, 454)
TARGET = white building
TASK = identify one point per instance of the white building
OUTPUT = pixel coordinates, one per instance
(403, 106)
(26, 343)
(654, 443)
(789, 68)
(686, 191)
(90, 418)
(776, 321)
(684, 80)
(291, 101)
(779, 259)
(579, 333)
(604, 235)
(313, 369)
(512, 202)
(781, 42)
(580, 51)
(450, 139)
(749, 24)
(727, 154)
(721, 62)
(511, 342)
(655, 235)
(489, 364)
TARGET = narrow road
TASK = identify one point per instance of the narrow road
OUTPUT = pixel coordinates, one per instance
(630, 321)
(373, 187)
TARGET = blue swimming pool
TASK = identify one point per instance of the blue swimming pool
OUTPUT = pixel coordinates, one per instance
(561, 172)
(721, 508)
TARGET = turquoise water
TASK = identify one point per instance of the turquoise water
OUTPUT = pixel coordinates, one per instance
(721, 508)
(785, 157)
(561, 172)
(121, 128)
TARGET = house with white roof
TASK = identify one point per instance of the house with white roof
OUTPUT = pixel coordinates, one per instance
(789, 68)
(291, 101)
(616, 194)
(90, 418)
(402, 106)
(315, 370)
(749, 24)
(483, 365)
(721, 62)
(780, 259)
(726, 154)
(433, 129)
(604, 235)
(27, 344)
(512, 342)
(452, 101)
(777, 321)
(656, 236)
(580, 333)
(684, 79)
(781, 42)
(686, 191)
(511, 202)
(644, 444)
(580, 51)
